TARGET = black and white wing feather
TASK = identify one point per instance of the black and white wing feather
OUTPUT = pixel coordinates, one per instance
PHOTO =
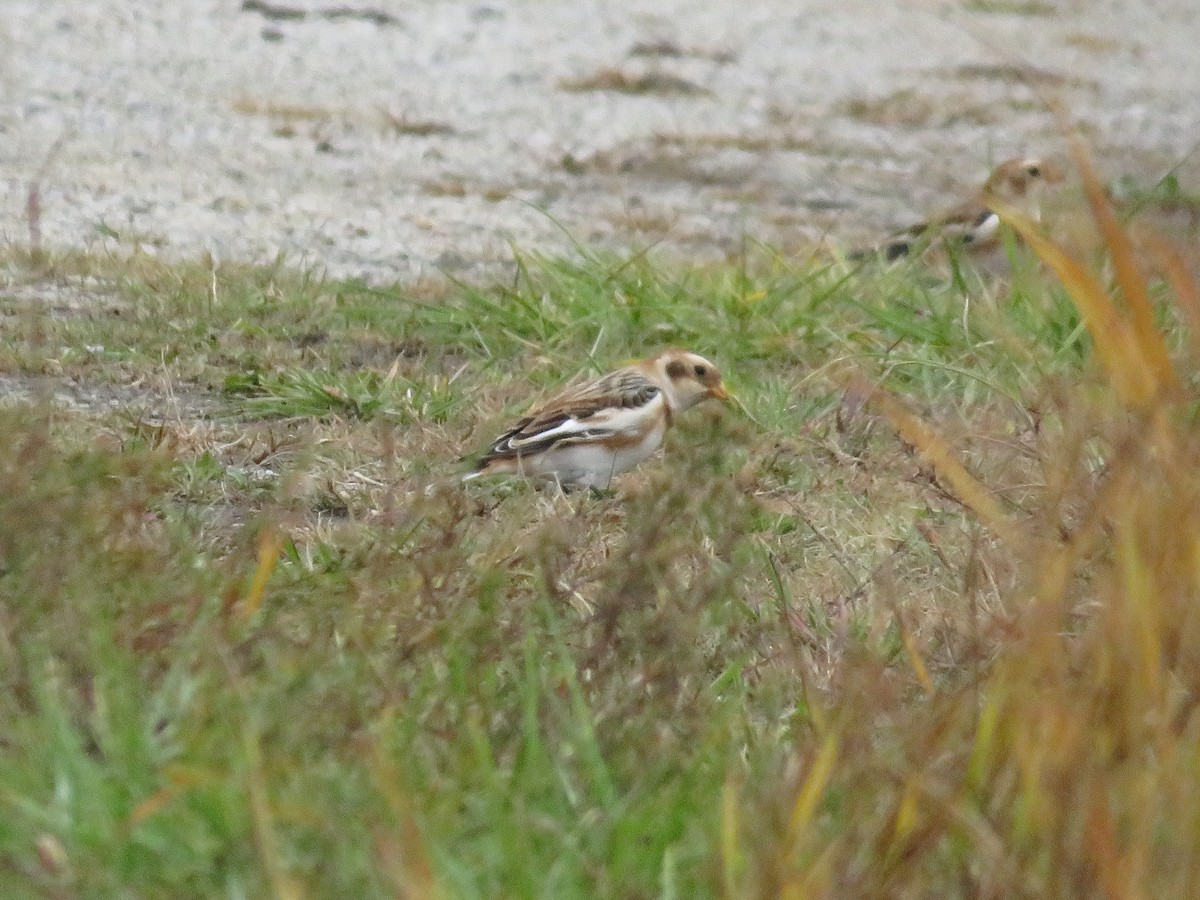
(616, 404)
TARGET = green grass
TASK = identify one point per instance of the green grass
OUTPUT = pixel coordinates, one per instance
(491, 690)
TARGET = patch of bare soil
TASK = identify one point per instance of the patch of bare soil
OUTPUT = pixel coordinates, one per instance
(400, 140)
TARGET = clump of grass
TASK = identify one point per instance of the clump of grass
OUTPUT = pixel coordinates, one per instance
(910, 108)
(1168, 194)
(1056, 759)
(289, 116)
(360, 395)
(273, 646)
(623, 82)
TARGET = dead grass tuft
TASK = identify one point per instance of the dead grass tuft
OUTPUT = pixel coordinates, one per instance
(911, 108)
(1026, 769)
(286, 116)
(265, 637)
(624, 82)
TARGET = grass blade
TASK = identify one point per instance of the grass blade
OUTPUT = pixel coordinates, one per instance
(1128, 274)
(1117, 344)
(935, 451)
(811, 791)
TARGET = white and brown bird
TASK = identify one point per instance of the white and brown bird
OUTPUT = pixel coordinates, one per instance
(589, 432)
(971, 228)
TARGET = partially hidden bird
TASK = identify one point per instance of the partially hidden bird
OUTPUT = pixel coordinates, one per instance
(591, 431)
(971, 228)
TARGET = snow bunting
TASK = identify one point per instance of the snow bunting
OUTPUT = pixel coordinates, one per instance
(971, 227)
(589, 432)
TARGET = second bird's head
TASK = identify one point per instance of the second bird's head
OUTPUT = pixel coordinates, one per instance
(1019, 178)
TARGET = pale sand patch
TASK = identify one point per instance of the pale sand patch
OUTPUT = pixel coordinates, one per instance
(426, 136)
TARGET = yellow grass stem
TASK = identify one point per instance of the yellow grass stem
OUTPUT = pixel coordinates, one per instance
(270, 542)
(1193, 559)
(906, 810)
(283, 885)
(812, 790)
(816, 712)
(914, 656)
(1142, 607)
(179, 779)
(404, 857)
(987, 728)
(1029, 751)
(732, 858)
(935, 451)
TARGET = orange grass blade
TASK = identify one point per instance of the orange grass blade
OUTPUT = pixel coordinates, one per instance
(1117, 344)
(815, 880)
(1128, 275)
(937, 453)
(403, 855)
(404, 860)
(269, 545)
(179, 779)
(914, 656)
(1104, 852)
(160, 799)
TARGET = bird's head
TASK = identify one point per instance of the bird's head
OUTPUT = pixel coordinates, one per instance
(1018, 179)
(688, 379)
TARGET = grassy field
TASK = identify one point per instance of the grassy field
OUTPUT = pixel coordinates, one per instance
(256, 639)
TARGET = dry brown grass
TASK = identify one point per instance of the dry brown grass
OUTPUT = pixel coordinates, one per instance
(652, 81)
(916, 620)
(1057, 758)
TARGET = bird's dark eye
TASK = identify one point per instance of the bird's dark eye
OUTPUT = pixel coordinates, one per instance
(1034, 171)
(701, 371)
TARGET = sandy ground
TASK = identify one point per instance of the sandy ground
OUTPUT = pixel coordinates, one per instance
(408, 137)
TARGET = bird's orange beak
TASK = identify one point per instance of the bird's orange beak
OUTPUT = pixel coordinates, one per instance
(720, 392)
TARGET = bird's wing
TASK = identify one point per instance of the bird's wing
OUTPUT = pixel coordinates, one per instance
(622, 402)
(965, 226)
